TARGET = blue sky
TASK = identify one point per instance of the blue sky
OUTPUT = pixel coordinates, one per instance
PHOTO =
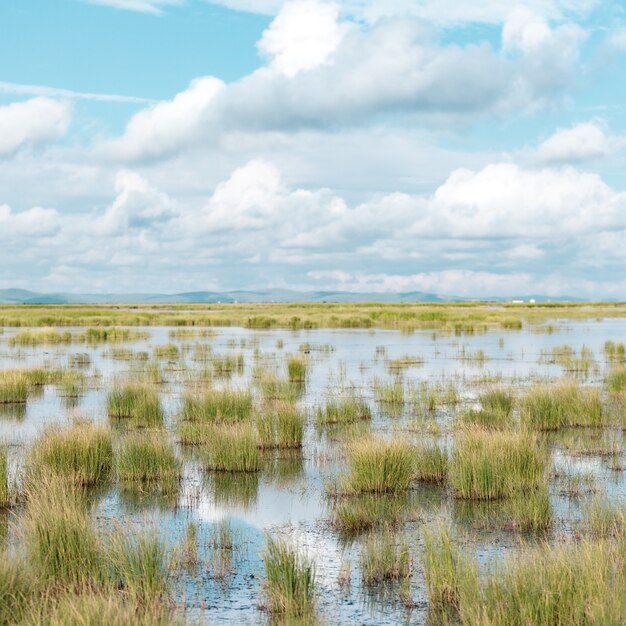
(461, 148)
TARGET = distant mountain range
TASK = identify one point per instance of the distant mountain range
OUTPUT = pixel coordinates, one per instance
(23, 296)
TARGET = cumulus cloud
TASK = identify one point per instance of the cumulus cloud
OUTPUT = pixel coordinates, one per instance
(303, 36)
(338, 76)
(32, 122)
(587, 140)
(37, 221)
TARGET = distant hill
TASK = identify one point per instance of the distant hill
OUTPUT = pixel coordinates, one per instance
(23, 296)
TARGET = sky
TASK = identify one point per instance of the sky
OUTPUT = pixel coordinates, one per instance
(461, 148)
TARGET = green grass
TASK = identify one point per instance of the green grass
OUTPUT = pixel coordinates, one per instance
(150, 461)
(168, 351)
(378, 466)
(567, 404)
(112, 335)
(357, 514)
(385, 557)
(296, 369)
(139, 403)
(344, 411)
(13, 388)
(431, 463)
(5, 487)
(389, 392)
(218, 406)
(274, 388)
(604, 519)
(81, 454)
(616, 380)
(281, 425)
(233, 448)
(290, 580)
(491, 464)
(17, 589)
(575, 583)
(61, 543)
(48, 336)
(225, 365)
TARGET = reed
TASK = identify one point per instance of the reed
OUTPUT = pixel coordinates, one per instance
(233, 448)
(361, 513)
(219, 406)
(431, 463)
(378, 466)
(13, 388)
(344, 411)
(139, 403)
(605, 519)
(148, 460)
(5, 489)
(17, 590)
(616, 380)
(492, 464)
(46, 336)
(290, 582)
(81, 454)
(385, 557)
(281, 425)
(297, 369)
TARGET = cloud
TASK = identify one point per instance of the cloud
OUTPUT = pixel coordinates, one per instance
(67, 94)
(303, 36)
(142, 6)
(617, 39)
(37, 222)
(587, 140)
(342, 76)
(32, 122)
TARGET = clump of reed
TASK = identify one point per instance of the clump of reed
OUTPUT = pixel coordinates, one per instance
(112, 335)
(5, 487)
(385, 557)
(431, 463)
(445, 567)
(281, 425)
(45, 336)
(80, 360)
(225, 365)
(404, 362)
(344, 411)
(13, 388)
(389, 392)
(495, 412)
(233, 448)
(575, 583)
(604, 519)
(190, 545)
(81, 454)
(378, 466)
(148, 461)
(360, 513)
(567, 404)
(60, 540)
(139, 403)
(297, 369)
(290, 584)
(218, 406)
(274, 388)
(167, 351)
(616, 380)
(493, 464)
(17, 589)
(72, 384)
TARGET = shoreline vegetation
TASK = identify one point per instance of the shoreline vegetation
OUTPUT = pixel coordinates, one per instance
(460, 318)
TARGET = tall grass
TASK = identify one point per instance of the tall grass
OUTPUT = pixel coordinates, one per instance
(604, 519)
(551, 408)
(81, 454)
(431, 463)
(5, 489)
(378, 466)
(492, 464)
(233, 448)
(361, 513)
(148, 460)
(46, 336)
(616, 380)
(17, 589)
(290, 582)
(225, 406)
(577, 583)
(344, 411)
(281, 425)
(296, 369)
(139, 403)
(385, 557)
(13, 388)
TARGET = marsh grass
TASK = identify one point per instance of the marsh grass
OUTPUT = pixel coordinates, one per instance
(431, 462)
(378, 466)
(567, 404)
(17, 589)
(616, 380)
(13, 388)
(604, 519)
(233, 448)
(6, 495)
(290, 584)
(138, 403)
(344, 411)
(81, 454)
(281, 425)
(226, 365)
(61, 543)
(274, 388)
(357, 514)
(389, 393)
(218, 406)
(45, 336)
(385, 557)
(492, 464)
(297, 369)
(148, 461)
(575, 583)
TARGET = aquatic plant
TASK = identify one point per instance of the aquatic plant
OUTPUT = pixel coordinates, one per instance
(233, 448)
(218, 406)
(385, 557)
(139, 403)
(297, 369)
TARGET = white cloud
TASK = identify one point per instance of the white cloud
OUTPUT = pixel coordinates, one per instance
(35, 222)
(143, 6)
(303, 35)
(32, 122)
(583, 141)
(167, 126)
(617, 39)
